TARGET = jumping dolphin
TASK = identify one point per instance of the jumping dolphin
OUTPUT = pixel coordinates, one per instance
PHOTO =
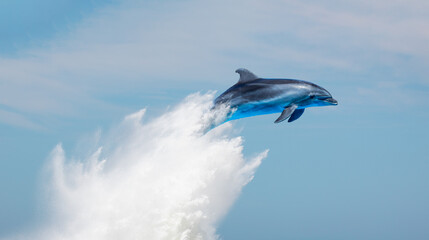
(252, 96)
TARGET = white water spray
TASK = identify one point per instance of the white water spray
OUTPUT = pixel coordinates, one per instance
(163, 179)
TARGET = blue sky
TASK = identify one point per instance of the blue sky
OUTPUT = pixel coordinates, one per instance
(358, 170)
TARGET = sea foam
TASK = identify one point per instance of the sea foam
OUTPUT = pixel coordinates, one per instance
(165, 178)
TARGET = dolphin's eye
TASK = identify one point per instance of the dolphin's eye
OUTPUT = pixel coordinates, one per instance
(312, 97)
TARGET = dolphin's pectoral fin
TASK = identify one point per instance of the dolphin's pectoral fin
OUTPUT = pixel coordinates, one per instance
(296, 114)
(286, 113)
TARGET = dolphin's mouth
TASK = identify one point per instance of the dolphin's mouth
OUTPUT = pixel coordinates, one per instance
(331, 101)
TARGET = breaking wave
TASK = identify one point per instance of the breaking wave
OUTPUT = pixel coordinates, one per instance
(160, 179)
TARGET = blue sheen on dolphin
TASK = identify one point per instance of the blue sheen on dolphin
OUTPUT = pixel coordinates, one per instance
(252, 96)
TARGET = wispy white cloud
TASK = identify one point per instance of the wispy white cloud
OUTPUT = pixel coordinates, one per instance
(136, 45)
(18, 120)
(391, 94)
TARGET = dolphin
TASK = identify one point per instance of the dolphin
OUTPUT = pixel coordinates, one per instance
(252, 96)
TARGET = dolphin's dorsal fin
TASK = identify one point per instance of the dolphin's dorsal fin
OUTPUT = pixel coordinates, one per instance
(286, 113)
(245, 75)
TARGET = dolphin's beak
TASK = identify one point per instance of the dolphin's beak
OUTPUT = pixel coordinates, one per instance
(331, 101)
